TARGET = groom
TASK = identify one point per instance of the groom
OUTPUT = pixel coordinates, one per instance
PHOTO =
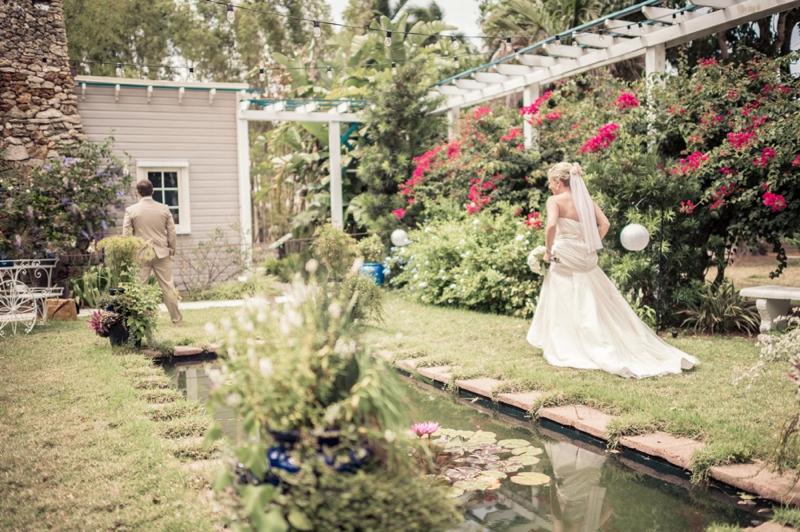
(152, 221)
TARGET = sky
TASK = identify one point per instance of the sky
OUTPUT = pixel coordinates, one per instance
(461, 13)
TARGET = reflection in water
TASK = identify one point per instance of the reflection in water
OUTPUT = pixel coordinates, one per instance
(192, 379)
(580, 503)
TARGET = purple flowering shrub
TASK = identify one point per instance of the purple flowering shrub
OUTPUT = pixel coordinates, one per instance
(62, 206)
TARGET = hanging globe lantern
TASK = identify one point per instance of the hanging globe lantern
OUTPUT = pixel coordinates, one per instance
(634, 237)
(399, 237)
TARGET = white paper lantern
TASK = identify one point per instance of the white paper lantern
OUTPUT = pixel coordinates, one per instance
(634, 237)
(399, 237)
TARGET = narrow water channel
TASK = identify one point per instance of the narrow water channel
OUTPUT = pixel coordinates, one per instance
(590, 489)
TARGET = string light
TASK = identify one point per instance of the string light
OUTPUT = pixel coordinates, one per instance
(574, 39)
(231, 14)
(508, 44)
(629, 29)
(641, 28)
(191, 75)
(388, 40)
(261, 74)
(317, 30)
(119, 70)
(601, 35)
(558, 40)
(455, 42)
(330, 73)
(394, 68)
(455, 61)
(516, 52)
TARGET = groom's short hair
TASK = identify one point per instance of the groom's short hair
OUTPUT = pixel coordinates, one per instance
(144, 188)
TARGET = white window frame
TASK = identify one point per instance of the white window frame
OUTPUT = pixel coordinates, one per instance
(182, 168)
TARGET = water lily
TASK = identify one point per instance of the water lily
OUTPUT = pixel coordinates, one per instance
(426, 427)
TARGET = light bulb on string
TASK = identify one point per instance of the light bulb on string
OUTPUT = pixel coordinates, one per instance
(330, 73)
(231, 14)
(317, 30)
(394, 68)
(574, 39)
(674, 16)
(388, 40)
(641, 28)
(455, 42)
(600, 32)
(508, 44)
(516, 52)
(261, 74)
(191, 75)
(629, 29)
(455, 61)
(118, 71)
(558, 40)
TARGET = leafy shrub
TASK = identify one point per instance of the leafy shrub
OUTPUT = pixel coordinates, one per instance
(288, 267)
(367, 297)
(123, 256)
(722, 309)
(299, 366)
(335, 250)
(254, 285)
(212, 260)
(91, 286)
(479, 263)
(62, 206)
(137, 305)
(372, 249)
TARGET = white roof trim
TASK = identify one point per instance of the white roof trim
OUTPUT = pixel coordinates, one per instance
(158, 83)
(162, 164)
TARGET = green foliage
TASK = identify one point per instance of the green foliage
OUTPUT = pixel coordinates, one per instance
(287, 267)
(335, 250)
(372, 249)
(399, 127)
(715, 527)
(91, 286)
(300, 366)
(137, 305)
(216, 258)
(254, 285)
(717, 454)
(722, 309)
(367, 297)
(478, 262)
(62, 206)
(787, 516)
(124, 256)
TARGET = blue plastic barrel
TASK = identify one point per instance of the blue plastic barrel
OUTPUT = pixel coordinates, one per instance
(374, 270)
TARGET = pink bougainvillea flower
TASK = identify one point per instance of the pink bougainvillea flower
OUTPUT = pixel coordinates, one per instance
(720, 195)
(626, 100)
(690, 164)
(774, 201)
(605, 136)
(687, 207)
(399, 213)
(533, 109)
(766, 156)
(520, 147)
(534, 221)
(480, 112)
(514, 133)
(740, 140)
(796, 162)
(728, 171)
(707, 62)
(425, 428)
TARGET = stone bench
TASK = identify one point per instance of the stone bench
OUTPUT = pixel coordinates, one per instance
(772, 302)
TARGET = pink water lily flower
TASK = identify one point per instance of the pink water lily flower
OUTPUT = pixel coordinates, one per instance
(426, 427)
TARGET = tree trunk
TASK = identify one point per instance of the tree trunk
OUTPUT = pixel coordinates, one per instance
(764, 35)
(723, 45)
(786, 23)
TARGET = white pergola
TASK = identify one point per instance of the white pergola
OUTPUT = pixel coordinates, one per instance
(549, 60)
(333, 112)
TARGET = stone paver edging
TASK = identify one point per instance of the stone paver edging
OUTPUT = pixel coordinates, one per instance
(753, 477)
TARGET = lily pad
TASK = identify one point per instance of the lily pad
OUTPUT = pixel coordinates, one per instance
(507, 467)
(474, 484)
(524, 459)
(489, 448)
(482, 434)
(462, 473)
(499, 475)
(533, 451)
(513, 444)
(454, 492)
(530, 479)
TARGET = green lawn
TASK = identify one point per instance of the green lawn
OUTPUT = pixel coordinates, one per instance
(85, 446)
(737, 422)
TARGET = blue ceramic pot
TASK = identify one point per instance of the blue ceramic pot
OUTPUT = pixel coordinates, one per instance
(374, 270)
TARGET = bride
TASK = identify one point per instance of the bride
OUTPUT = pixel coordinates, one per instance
(581, 319)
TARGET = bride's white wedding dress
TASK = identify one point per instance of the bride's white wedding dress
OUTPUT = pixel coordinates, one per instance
(582, 321)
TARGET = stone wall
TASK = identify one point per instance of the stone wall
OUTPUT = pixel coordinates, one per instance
(37, 104)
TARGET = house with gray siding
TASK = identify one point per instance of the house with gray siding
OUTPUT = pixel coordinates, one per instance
(185, 138)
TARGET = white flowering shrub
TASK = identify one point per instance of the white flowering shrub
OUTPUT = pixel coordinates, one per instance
(480, 263)
(774, 348)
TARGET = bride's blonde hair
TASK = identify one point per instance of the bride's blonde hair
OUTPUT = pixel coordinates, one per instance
(561, 172)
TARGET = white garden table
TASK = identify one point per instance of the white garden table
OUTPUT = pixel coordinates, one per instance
(772, 303)
(25, 288)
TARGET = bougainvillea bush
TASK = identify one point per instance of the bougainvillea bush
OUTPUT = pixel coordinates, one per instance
(484, 160)
(63, 205)
(478, 263)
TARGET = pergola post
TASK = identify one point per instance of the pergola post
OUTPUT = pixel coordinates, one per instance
(245, 186)
(335, 149)
(655, 60)
(452, 116)
(529, 95)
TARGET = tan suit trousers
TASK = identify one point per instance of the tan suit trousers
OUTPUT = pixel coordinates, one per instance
(162, 269)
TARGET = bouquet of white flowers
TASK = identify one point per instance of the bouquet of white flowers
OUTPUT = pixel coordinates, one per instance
(535, 262)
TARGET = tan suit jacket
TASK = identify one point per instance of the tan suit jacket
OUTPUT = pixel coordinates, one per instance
(152, 221)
